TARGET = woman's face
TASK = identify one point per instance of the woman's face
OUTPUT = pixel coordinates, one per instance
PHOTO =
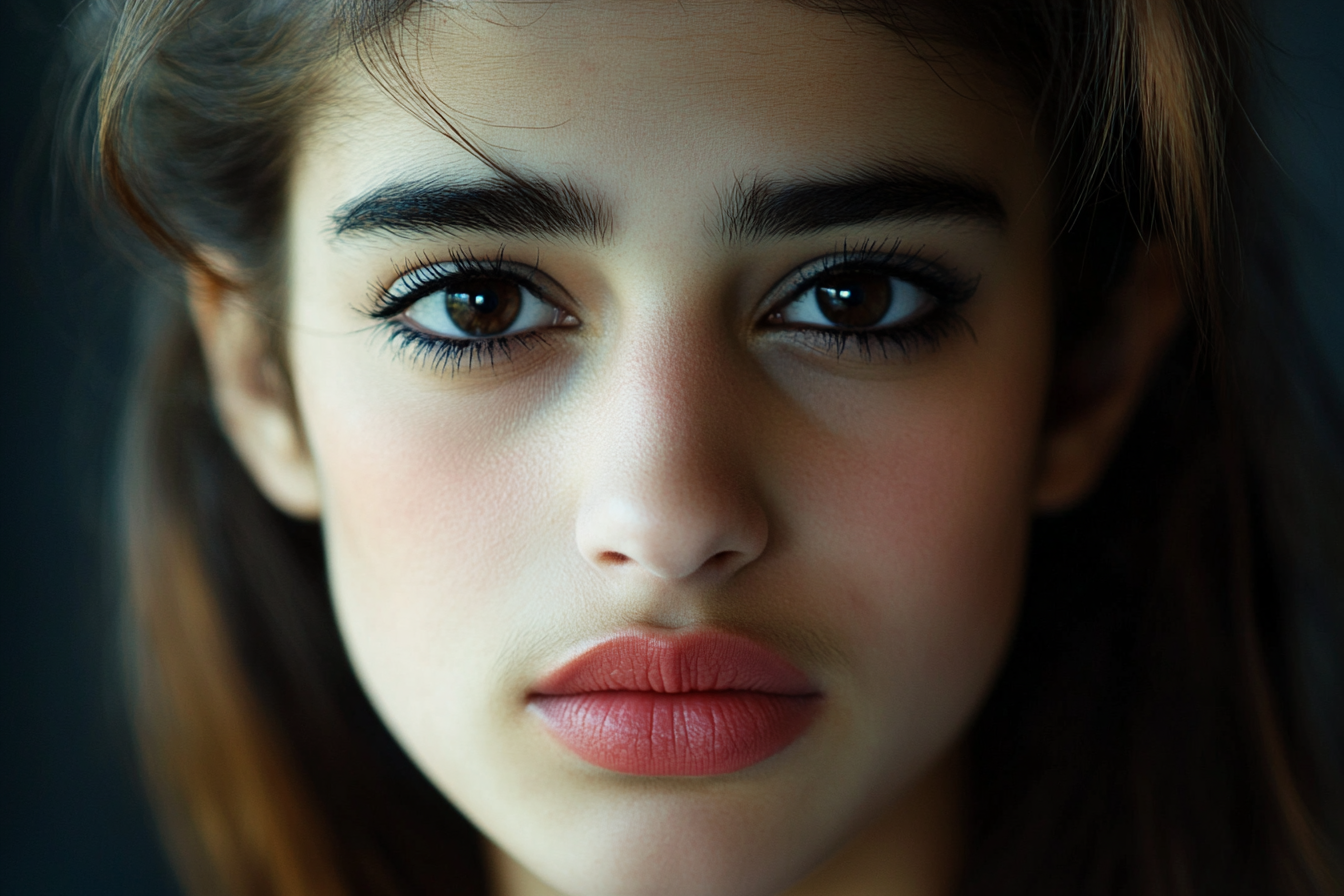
(676, 488)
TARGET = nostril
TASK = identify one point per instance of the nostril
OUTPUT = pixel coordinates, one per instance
(721, 559)
(670, 538)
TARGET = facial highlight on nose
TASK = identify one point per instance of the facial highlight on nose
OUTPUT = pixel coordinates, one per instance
(672, 533)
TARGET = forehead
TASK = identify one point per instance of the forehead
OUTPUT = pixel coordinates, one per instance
(647, 99)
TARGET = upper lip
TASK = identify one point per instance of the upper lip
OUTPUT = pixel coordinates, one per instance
(701, 661)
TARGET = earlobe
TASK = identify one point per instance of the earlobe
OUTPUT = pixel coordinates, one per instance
(250, 398)
(1077, 446)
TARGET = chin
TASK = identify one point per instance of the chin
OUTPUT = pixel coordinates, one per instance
(674, 850)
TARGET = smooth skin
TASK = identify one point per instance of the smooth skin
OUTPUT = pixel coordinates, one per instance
(670, 457)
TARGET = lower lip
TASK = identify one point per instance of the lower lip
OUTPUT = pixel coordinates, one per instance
(708, 703)
(700, 733)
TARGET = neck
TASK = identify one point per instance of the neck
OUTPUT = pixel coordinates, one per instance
(913, 848)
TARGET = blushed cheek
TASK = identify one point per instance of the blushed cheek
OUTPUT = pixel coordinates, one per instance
(427, 516)
(923, 568)
(930, 537)
(404, 499)
(914, 506)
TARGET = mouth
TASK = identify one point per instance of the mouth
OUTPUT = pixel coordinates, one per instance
(708, 703)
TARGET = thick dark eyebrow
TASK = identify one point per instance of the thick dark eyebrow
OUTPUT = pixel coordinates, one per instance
(761, 208)
(518, 207)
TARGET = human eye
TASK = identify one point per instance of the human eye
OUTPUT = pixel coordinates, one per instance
(870, 300)
(469, 311)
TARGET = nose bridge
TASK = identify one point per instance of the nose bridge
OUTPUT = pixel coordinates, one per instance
(669, 488)
(667, 401)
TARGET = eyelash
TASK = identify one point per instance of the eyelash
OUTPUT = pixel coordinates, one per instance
(424, 275)
(947, 290)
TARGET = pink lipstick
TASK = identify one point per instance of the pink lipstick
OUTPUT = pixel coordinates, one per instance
(708, 703)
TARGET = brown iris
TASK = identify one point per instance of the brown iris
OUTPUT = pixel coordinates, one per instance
(853, 299)
(485, 306)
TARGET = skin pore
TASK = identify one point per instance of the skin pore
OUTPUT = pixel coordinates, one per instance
(676, 438)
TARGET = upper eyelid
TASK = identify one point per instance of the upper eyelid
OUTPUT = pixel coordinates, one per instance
(434, 272)
(792, 286)
(389, 303)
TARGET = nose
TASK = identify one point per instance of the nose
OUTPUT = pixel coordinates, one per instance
(668, 489)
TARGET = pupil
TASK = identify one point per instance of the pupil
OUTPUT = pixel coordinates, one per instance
(487, 307)
(854, 300)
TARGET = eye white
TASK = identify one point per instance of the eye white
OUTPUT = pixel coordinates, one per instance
(907, 301)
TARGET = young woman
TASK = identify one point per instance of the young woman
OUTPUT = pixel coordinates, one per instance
(734, 447)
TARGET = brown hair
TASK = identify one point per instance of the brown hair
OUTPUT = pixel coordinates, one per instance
(1152, 732)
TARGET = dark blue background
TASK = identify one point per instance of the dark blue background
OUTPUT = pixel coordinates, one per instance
(72, 819)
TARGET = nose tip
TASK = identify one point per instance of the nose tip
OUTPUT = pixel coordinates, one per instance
(674, 536)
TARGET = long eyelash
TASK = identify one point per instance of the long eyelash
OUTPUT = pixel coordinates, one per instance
(928, 335)
(928, 274)
(947, 290)
(423, 275)
(442, 354)
(870, 251)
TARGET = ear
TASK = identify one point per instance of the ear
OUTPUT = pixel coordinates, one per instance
(1107, 377)
(251, 396)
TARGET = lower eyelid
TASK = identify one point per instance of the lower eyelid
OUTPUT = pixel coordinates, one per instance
(926, 334)
(441, 353)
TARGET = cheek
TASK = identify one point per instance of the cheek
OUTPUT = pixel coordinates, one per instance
(424, 513)
(926, 505)
(912, 509)
(926, 532)
(408, 493)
